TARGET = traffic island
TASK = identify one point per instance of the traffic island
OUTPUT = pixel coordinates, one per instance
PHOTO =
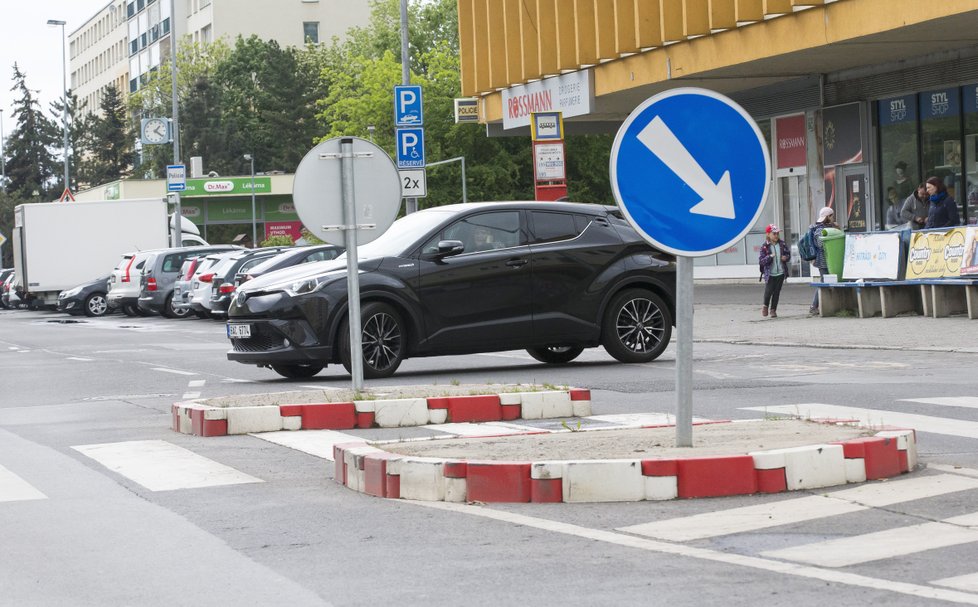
(627, 465)
(388, 407)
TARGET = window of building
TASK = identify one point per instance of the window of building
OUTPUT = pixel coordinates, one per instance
(969, 202)
(207, 34)
(310, 32)
(940, 138)
(899, 166)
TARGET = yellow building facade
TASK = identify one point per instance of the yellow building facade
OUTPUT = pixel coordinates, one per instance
(860, 100)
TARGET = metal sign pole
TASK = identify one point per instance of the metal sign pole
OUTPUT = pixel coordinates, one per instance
(684, 351)
(353, 268)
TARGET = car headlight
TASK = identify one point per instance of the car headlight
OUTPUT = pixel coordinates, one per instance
(71, 292)
(313, 283)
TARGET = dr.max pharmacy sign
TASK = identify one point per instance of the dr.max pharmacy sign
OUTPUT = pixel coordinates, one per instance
(227, 186)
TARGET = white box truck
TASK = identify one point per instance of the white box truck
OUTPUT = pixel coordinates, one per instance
(58, 245)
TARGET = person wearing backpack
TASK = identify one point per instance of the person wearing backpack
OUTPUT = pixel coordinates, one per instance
(826, 219)
(773, 260)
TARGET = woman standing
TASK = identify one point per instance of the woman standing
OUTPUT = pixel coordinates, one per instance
(943, 211)
(774, 258)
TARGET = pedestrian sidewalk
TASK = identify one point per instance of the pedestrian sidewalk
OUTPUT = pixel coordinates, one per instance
(743, 323)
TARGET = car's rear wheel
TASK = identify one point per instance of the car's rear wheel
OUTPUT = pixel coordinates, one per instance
(130, 310)
(301, 371)
(637, 326)
(96, 305)
(170, 312)
(555, 355)
(382, 340)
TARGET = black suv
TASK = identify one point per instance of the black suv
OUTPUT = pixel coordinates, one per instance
(551, 278)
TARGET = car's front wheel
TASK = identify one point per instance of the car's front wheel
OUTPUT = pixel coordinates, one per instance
(96, 305)
(382, 339)
(301, 371)
(170, 312)
(637, 326)
(555, 355)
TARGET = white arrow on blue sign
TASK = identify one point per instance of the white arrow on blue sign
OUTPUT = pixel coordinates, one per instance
(410, 148)
(690, 171)
(407, 105)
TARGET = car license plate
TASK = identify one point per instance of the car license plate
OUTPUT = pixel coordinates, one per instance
(239, 331)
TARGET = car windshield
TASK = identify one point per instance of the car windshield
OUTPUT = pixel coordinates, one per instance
(403, 233)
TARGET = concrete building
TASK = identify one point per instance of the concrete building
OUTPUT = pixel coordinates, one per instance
(128, 39)
(860, 100)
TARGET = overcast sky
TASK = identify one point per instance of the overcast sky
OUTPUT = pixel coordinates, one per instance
(27, 39)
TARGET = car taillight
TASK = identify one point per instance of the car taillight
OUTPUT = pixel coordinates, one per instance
(225, 289)
(206, 277)
(190, 270)
(125, 277)
(150, 283)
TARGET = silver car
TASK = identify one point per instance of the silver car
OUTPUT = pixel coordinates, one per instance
(160, 273)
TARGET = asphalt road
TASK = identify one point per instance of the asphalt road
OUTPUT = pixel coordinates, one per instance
(78, 532)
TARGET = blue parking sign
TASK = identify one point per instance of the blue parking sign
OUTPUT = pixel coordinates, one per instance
(690, 170)
(407, 105)
(410, 148)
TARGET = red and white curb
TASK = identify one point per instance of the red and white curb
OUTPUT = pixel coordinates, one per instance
(201, 419)
(368, 469)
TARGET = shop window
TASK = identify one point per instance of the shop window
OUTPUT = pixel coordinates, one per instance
(899, 165)
(968, 203)
(940, 133)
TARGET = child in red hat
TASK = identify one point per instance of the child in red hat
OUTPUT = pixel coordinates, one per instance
(774, 258)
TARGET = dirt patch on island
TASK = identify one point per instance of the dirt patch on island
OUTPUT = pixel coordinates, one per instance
(733, 438)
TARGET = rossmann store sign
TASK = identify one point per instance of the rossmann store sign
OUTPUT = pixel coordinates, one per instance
(225, 186)
(572, 94)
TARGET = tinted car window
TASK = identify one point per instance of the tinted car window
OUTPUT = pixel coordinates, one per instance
(323, 255)
(483, 232)
(251, 263)
(172, 263)
(551, 227)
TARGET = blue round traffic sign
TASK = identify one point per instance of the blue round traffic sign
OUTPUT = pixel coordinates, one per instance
(690, 171)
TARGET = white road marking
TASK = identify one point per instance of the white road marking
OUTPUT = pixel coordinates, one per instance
(80, 359)
(231, 380)
(190, 395)
(968, 583)
(801, 509)
(314, 442)
(196, 383)
(970, 402)
(125, 351)
(610, 537)
(485, 429)
(879, 545)
(954, 470)
(877, 417)
(15, 489)
(174, 371)
(323, 388)
(641, 419)
(162, 466)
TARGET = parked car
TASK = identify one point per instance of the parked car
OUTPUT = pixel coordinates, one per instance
(124, 282)
(87, 298)
(160, 273)
(200, 285)
(11, 297)
(224, 271)
(551, 278)
(288, 258)
(181, 288)
(4, 274)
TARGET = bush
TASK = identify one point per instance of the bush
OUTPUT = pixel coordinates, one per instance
(277, 241)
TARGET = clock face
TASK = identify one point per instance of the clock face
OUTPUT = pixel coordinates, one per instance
(155, 131)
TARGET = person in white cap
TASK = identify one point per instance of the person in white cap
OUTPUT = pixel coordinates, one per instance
(826, 219)
(773, 261)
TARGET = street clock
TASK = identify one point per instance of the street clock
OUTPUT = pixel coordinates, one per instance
(155, 130)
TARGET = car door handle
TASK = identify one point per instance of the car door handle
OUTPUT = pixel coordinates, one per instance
(516, 263)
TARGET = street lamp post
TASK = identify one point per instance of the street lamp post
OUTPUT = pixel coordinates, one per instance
(254, 220)
(3, 153)
(64, 82)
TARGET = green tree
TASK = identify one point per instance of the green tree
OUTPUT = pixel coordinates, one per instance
(77, 133)
(109, 142)
(30, 164)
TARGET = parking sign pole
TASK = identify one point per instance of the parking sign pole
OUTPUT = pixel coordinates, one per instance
(684, 351)
(353, 268)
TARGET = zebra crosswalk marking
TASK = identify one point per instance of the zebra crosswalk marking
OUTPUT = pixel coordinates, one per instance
(798, 510)
(969, 402)
(15, 489)
(968, 583)
(879, 545)
(162, 466)
(876, 417)
(486, 429)
(318, 443)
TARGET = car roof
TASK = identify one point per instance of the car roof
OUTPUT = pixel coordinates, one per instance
(535, 205)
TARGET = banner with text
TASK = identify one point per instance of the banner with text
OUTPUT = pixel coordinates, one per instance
(572, 94)
(223, 186)
(874, 255)
(937, 254)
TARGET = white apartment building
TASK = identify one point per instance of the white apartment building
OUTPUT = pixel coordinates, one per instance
(125, 41)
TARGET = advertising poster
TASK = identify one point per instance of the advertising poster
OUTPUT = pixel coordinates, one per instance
(284, 228)
(855, 208)
(872, 256)
(936, 254)
(969, 262)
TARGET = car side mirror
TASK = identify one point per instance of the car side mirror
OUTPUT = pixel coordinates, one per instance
(446, 248)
